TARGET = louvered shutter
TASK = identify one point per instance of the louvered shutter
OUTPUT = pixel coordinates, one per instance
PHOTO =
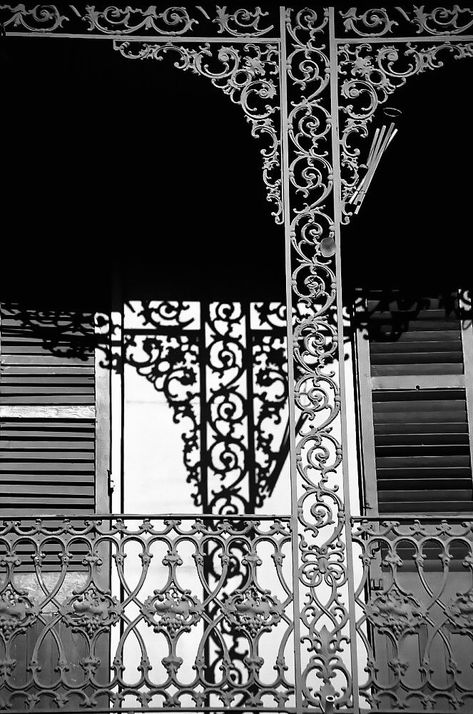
(51, 459)
(414, 400)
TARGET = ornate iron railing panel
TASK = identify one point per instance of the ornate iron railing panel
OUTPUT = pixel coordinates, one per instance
(182, 593)
(414, 601)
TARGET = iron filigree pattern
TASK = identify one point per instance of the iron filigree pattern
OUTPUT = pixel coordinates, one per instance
(248, 75)
(414, 592)
(405, 21)
(255, 22)
(128, 20)
(173, 21)
(318, 453)
(39, 18)
(151, 619)
(369, 76)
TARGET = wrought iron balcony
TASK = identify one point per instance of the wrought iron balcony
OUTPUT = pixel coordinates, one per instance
(146, 613)
(111, 613)
(414, 613)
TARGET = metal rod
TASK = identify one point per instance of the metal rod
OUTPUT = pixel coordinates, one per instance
(413, 518)
(283, 88)
(159, 39)
(156, 516)
(408, 38)
(337, 202)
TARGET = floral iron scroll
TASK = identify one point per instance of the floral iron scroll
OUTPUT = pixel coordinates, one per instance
(369, 76)
(322, 573)
(320, 67)
(249, 76)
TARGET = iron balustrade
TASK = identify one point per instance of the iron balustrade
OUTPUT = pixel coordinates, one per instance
(144, 612)
(414, 610)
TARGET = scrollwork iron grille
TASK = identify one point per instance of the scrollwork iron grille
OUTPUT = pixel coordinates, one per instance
(414, 595)
(57, 610)
(304, 76)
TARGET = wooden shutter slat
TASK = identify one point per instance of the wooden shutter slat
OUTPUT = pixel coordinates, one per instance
(429, 346)
(47, 455)
(45, 389)
(61, 370)
(437, 368)
(27, 500)
(422, 439)
(415, 461)
(47, 444)
(435, 335)
(40, 360)
(12, 466)
(425, 495)
(417, 449)
(59, 490)
(425, 472)
(422, 428)
(40, 477)
(418, 358)
(428, 506)
(415, 324)
(46, 399)
(414, 418)
(37, 381)
(414, 404)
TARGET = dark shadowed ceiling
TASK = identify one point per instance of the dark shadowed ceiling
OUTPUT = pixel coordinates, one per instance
(137, 168)
(114, 164)
(415, 225)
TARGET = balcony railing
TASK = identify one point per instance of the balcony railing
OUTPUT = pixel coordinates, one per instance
(146, 613)
(414, 613)
(111, 613)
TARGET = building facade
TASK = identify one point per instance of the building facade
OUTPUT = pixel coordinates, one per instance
(232, 479)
